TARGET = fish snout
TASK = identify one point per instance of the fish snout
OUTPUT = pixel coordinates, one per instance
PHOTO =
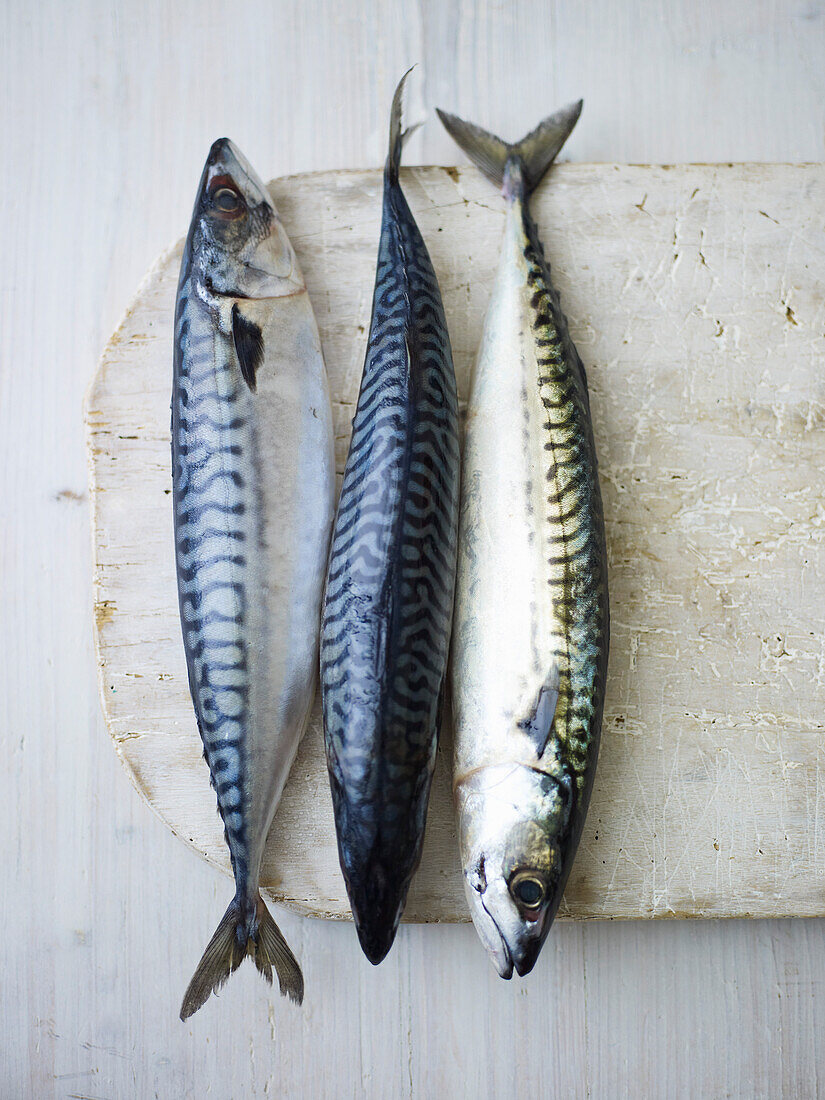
(226, 166)
(530, 948)
(377, 899)
(219, 150)
(225, 156)
(491, 936)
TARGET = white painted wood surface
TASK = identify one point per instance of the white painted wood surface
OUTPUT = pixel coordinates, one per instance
(107, 111)
(695, 298)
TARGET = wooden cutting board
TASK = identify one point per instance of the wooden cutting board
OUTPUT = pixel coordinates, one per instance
(696, 296)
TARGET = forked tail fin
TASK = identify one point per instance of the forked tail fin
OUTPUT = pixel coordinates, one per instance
(397, 135)
(244, 930)
(536, 152)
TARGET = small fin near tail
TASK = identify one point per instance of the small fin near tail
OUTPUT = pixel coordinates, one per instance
(536, 151)
(244, 931)
(397, 135)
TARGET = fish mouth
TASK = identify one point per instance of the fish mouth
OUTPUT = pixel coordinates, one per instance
(503, 959)
(221, 150)
(377, 900)
(526, 962)
(375, 940)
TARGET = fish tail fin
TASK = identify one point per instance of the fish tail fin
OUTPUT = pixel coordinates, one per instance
(244, 930)
(535, 152)
(397, 135)
(272, 953)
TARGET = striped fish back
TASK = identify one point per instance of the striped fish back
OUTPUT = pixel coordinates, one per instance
(389, 596)
(578, 565)
(214, 527)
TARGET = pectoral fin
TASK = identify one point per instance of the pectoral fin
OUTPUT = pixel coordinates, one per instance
(249, 345)
(538, 722)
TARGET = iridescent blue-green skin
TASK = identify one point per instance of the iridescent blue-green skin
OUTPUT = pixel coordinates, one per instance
(389, 596)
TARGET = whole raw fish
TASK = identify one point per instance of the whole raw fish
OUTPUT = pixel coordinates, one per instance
(253, 475)
(531, 629)
(389, 595)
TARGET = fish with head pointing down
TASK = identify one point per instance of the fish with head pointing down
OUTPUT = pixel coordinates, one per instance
(531, 625)
(389, 595)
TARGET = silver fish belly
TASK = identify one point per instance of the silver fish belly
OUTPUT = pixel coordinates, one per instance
(531, 627)
(253, 477)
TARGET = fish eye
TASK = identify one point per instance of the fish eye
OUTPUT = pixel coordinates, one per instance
(527, 890)
(226, 200)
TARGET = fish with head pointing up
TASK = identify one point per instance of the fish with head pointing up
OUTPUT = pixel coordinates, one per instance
(531, 626)
(253, 483)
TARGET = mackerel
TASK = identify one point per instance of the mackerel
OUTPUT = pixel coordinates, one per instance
(389, 594)
(531, 630)
(253, 477)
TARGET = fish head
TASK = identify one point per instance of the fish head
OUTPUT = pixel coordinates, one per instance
(379, 848)
(513, 832)
(239, 246)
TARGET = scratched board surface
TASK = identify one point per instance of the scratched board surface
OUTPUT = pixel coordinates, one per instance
(696, 296)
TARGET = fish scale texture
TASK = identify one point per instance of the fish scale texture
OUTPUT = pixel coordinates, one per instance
(389, 597)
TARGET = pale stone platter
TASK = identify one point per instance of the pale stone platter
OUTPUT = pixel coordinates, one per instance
(696, 296)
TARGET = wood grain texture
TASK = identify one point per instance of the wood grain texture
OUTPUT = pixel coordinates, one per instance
(107, 111)
(696, 299)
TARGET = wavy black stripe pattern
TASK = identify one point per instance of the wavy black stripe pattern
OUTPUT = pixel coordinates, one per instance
(577, 557)
(214, 529)
(389, 594)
